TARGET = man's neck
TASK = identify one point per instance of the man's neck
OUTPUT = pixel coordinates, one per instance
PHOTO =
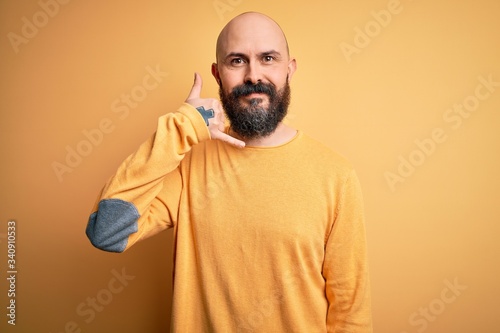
(281, 135)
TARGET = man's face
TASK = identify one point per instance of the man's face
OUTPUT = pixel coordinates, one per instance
(253, 71)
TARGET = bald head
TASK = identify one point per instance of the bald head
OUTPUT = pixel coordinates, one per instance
(249, 31)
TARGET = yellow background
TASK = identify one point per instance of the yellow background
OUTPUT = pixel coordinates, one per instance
(439, 226)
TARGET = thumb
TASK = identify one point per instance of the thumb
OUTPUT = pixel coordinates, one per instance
(196, 89)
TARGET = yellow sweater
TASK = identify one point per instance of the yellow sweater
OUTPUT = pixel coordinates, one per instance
(267, 239)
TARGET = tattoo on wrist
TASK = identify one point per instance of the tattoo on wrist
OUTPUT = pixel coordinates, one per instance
(206, 114)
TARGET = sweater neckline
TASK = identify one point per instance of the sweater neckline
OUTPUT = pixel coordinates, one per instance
(295, 138)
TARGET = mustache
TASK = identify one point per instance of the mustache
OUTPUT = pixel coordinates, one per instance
(249, 88)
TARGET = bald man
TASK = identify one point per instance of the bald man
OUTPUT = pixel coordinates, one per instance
(268, 223)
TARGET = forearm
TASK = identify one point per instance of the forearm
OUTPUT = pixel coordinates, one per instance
(129, 202)
(346, 266)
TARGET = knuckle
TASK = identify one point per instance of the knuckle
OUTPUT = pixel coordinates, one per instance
(213, 103)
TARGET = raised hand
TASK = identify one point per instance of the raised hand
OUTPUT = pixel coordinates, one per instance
(215, 123)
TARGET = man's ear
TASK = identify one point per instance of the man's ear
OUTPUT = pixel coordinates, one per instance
(215, 73)
(292, 67)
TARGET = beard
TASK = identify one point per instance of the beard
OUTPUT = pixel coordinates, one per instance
(254, 121)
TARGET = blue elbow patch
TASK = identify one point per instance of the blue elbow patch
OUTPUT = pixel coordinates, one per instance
(108, 228)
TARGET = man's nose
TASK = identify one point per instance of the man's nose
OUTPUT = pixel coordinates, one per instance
(253, 73)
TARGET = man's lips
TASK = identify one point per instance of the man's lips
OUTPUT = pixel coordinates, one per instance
(255, 95)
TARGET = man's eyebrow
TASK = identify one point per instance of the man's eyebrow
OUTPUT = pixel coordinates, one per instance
(270, 53)
(235, 54)
(262, 54)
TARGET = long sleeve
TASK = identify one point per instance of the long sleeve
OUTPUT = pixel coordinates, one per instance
(142, 198)
(345, 267)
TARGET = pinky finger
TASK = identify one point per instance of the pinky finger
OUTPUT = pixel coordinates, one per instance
(229, 139)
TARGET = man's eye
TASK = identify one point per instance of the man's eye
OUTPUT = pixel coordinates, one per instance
(268, 58)
(236, 61)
